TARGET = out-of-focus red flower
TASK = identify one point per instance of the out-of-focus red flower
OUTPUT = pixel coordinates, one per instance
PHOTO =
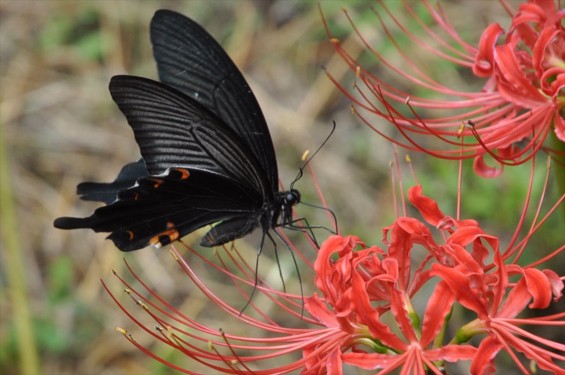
(522, 100)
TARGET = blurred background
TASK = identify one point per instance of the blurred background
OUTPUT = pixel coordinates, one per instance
(60, 127)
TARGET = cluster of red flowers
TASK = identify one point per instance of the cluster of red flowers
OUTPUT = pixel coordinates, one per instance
(391, 307)
(467, 269)
(521, 101)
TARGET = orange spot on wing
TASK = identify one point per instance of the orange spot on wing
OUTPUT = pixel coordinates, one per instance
(156, 183)
(184, 173)
(165, 237)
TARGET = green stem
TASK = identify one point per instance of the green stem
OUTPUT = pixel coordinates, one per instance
(559, 170)
(14, 269)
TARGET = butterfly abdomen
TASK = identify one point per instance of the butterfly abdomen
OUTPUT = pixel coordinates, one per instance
(228, 230)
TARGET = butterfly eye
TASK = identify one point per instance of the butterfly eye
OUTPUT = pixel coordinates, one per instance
(296, 194)
(292, 197)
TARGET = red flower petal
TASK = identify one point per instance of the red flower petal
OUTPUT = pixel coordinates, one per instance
(484, 170)
(513, 84)
(559, 127)
(439, 306)
(556, 284)
(483, 361)
(368, 361)
(541, 51)
(539, 287)
(484, 60)
(459, 285)
(317, 308)
(428, 207)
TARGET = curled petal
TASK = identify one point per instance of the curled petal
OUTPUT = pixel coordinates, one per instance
(553, 82)
(465, 235)
(439, 306)
(530, 12)
(324, 266)
(559, 127)
(334, 365)
(540, 52)
(539, 287)
(484, 60)
(484, 170)
(540, 12)
(556, 284)
(536, 286)
(428, 207)
(368, 316)
(513, 84)
(483, 360)
(459, 285)
(319, 311)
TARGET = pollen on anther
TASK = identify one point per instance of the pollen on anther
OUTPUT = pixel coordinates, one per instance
(461, 129)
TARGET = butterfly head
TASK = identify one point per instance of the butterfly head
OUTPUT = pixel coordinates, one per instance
(291, 198)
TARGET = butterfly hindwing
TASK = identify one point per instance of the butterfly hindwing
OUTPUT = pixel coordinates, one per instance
(161, 209)
(108, 192)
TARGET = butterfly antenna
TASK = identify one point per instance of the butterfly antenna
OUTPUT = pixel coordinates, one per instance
(301, 170)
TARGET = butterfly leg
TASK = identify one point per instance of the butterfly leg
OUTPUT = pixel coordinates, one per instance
(265, 233)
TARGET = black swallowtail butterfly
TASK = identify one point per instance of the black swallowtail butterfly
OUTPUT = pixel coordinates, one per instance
(207, 155)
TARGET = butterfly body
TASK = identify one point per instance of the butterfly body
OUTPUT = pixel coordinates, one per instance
(207, 155)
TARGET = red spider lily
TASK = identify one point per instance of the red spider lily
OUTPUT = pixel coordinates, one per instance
(522, 100)
(361, 286)
(366, 312)
(484, 287)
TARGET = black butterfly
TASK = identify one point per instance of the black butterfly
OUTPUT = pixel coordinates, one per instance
(207, 155)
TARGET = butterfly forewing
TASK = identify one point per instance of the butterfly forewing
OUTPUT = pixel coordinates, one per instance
(190, 60)
(173, 130)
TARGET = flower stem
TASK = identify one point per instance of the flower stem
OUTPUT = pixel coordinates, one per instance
(559, 148)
